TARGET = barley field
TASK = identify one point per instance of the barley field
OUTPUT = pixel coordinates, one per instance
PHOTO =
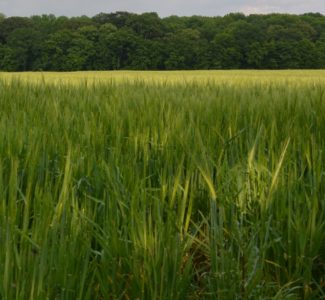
(162, 185)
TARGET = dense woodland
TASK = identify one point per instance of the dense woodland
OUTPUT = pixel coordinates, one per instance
(122, 40)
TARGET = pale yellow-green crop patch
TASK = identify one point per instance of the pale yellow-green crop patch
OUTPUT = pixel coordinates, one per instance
(242, 77)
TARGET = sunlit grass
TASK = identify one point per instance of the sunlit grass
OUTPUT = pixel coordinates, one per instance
(210, 187)
(242, 77)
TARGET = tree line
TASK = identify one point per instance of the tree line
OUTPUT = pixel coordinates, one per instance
(123, 40)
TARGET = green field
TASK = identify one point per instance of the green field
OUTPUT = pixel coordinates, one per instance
(162, 185)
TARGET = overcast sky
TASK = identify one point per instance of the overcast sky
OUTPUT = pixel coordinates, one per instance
(163, 7)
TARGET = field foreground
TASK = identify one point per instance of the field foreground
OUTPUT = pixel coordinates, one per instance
(199, 185)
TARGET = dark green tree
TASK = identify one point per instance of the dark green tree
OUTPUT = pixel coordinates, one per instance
(183, 49)
(226, 53)
(8, 25)
(123, 40)
(67, 51)
(22, 50)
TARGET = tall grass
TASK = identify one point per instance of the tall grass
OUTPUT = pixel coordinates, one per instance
(157, 191)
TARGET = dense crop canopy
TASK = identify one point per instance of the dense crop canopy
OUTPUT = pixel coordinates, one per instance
(138, 189)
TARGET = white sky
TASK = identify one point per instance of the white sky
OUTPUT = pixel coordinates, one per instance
(163, 7)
